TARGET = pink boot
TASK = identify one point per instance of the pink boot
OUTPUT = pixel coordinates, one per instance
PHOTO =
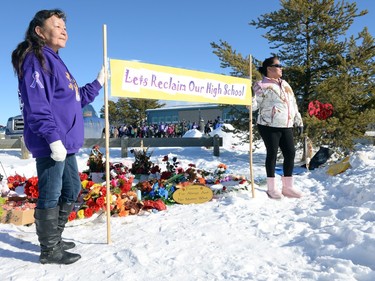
(288, 190)
(272, 191)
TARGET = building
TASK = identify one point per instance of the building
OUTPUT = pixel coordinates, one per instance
(93, 125)
(191, 113)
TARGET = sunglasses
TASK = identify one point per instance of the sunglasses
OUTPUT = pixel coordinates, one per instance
(277, 65)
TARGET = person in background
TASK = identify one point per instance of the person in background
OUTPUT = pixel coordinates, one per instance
(278, 115)
(51, 104)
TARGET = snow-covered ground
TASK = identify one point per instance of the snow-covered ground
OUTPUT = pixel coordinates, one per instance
(329, 234)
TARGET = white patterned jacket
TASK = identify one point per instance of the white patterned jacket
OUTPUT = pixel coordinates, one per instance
(276, 103)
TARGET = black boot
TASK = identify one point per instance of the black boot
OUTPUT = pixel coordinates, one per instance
(64, 212)
(50, 238)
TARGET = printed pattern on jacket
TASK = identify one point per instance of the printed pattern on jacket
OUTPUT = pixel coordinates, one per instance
(276, 103)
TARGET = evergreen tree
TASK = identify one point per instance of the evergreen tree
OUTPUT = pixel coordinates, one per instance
(137, 109)
(129, 111)
(240, 68)
(309, 38)
(112, 112)
(306, 35)
(350, 88)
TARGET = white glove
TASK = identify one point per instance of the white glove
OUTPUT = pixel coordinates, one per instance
(100, 77)
(58, 151)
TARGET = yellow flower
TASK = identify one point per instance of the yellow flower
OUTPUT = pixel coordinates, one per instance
(84, 183)
(81, 214)
(95, 189)
(87, 196)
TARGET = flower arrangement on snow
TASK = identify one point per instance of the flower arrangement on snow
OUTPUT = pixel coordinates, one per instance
(15, 181)
(142, 164)
(93, 197)
(95, 161)
(10, 200)
(129, 195)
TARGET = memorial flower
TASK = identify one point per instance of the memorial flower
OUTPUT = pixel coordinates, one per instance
(31, 188)
(142, 164)
(219, 172)
(95, 161)
(16, 180)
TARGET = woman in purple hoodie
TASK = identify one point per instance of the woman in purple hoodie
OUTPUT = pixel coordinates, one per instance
(51, 104)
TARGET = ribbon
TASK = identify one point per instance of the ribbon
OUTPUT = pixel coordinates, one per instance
(36, 80)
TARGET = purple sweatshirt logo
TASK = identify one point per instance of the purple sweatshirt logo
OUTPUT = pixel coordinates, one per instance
(36, 80)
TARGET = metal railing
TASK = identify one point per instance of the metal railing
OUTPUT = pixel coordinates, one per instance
(125, 143)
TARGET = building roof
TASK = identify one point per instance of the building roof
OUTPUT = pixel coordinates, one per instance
(179, 107)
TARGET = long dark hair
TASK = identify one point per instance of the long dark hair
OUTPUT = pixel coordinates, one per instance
(32, 42)
(266, 63)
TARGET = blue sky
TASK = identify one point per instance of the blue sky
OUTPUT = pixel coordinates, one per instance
(164, 32)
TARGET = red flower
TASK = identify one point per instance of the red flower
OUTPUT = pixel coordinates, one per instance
(155, 169)
(90, 202)
(14, 181)
(31, 187)
(90, 184)
(83, 176)
(72, 216)
(165, 158)
(165, 175)
(126, 187)
(159, 205)
(103, 191)
(33, 181)
(88, 212)
(97, 208)
(180, 170)
(100, 202)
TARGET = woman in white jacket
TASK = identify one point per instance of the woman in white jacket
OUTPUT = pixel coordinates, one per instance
(278, 115)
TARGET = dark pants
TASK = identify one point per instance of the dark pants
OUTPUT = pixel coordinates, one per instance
(273, 139)
(58, 182)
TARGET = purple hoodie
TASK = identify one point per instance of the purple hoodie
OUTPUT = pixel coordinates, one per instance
(52, 104)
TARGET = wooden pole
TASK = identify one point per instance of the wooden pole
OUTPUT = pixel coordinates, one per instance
(251, 131)
(307, 152)
(107, 178)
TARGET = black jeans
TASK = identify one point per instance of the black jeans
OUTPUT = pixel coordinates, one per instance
(273, 139)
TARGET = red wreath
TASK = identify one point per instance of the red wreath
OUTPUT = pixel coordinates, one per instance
(320, 110)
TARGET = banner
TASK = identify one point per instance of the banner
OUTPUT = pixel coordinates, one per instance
(147, 81)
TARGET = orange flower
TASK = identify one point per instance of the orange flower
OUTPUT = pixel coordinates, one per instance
(120, 203)
(131, 194)
(201, 180)
(123, 213)
(221, 165)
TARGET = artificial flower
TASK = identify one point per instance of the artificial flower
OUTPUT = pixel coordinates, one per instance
(88, 212)
(81, 214)
(72, 216)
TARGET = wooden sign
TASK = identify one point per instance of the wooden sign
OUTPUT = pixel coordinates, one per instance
(193, 194)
